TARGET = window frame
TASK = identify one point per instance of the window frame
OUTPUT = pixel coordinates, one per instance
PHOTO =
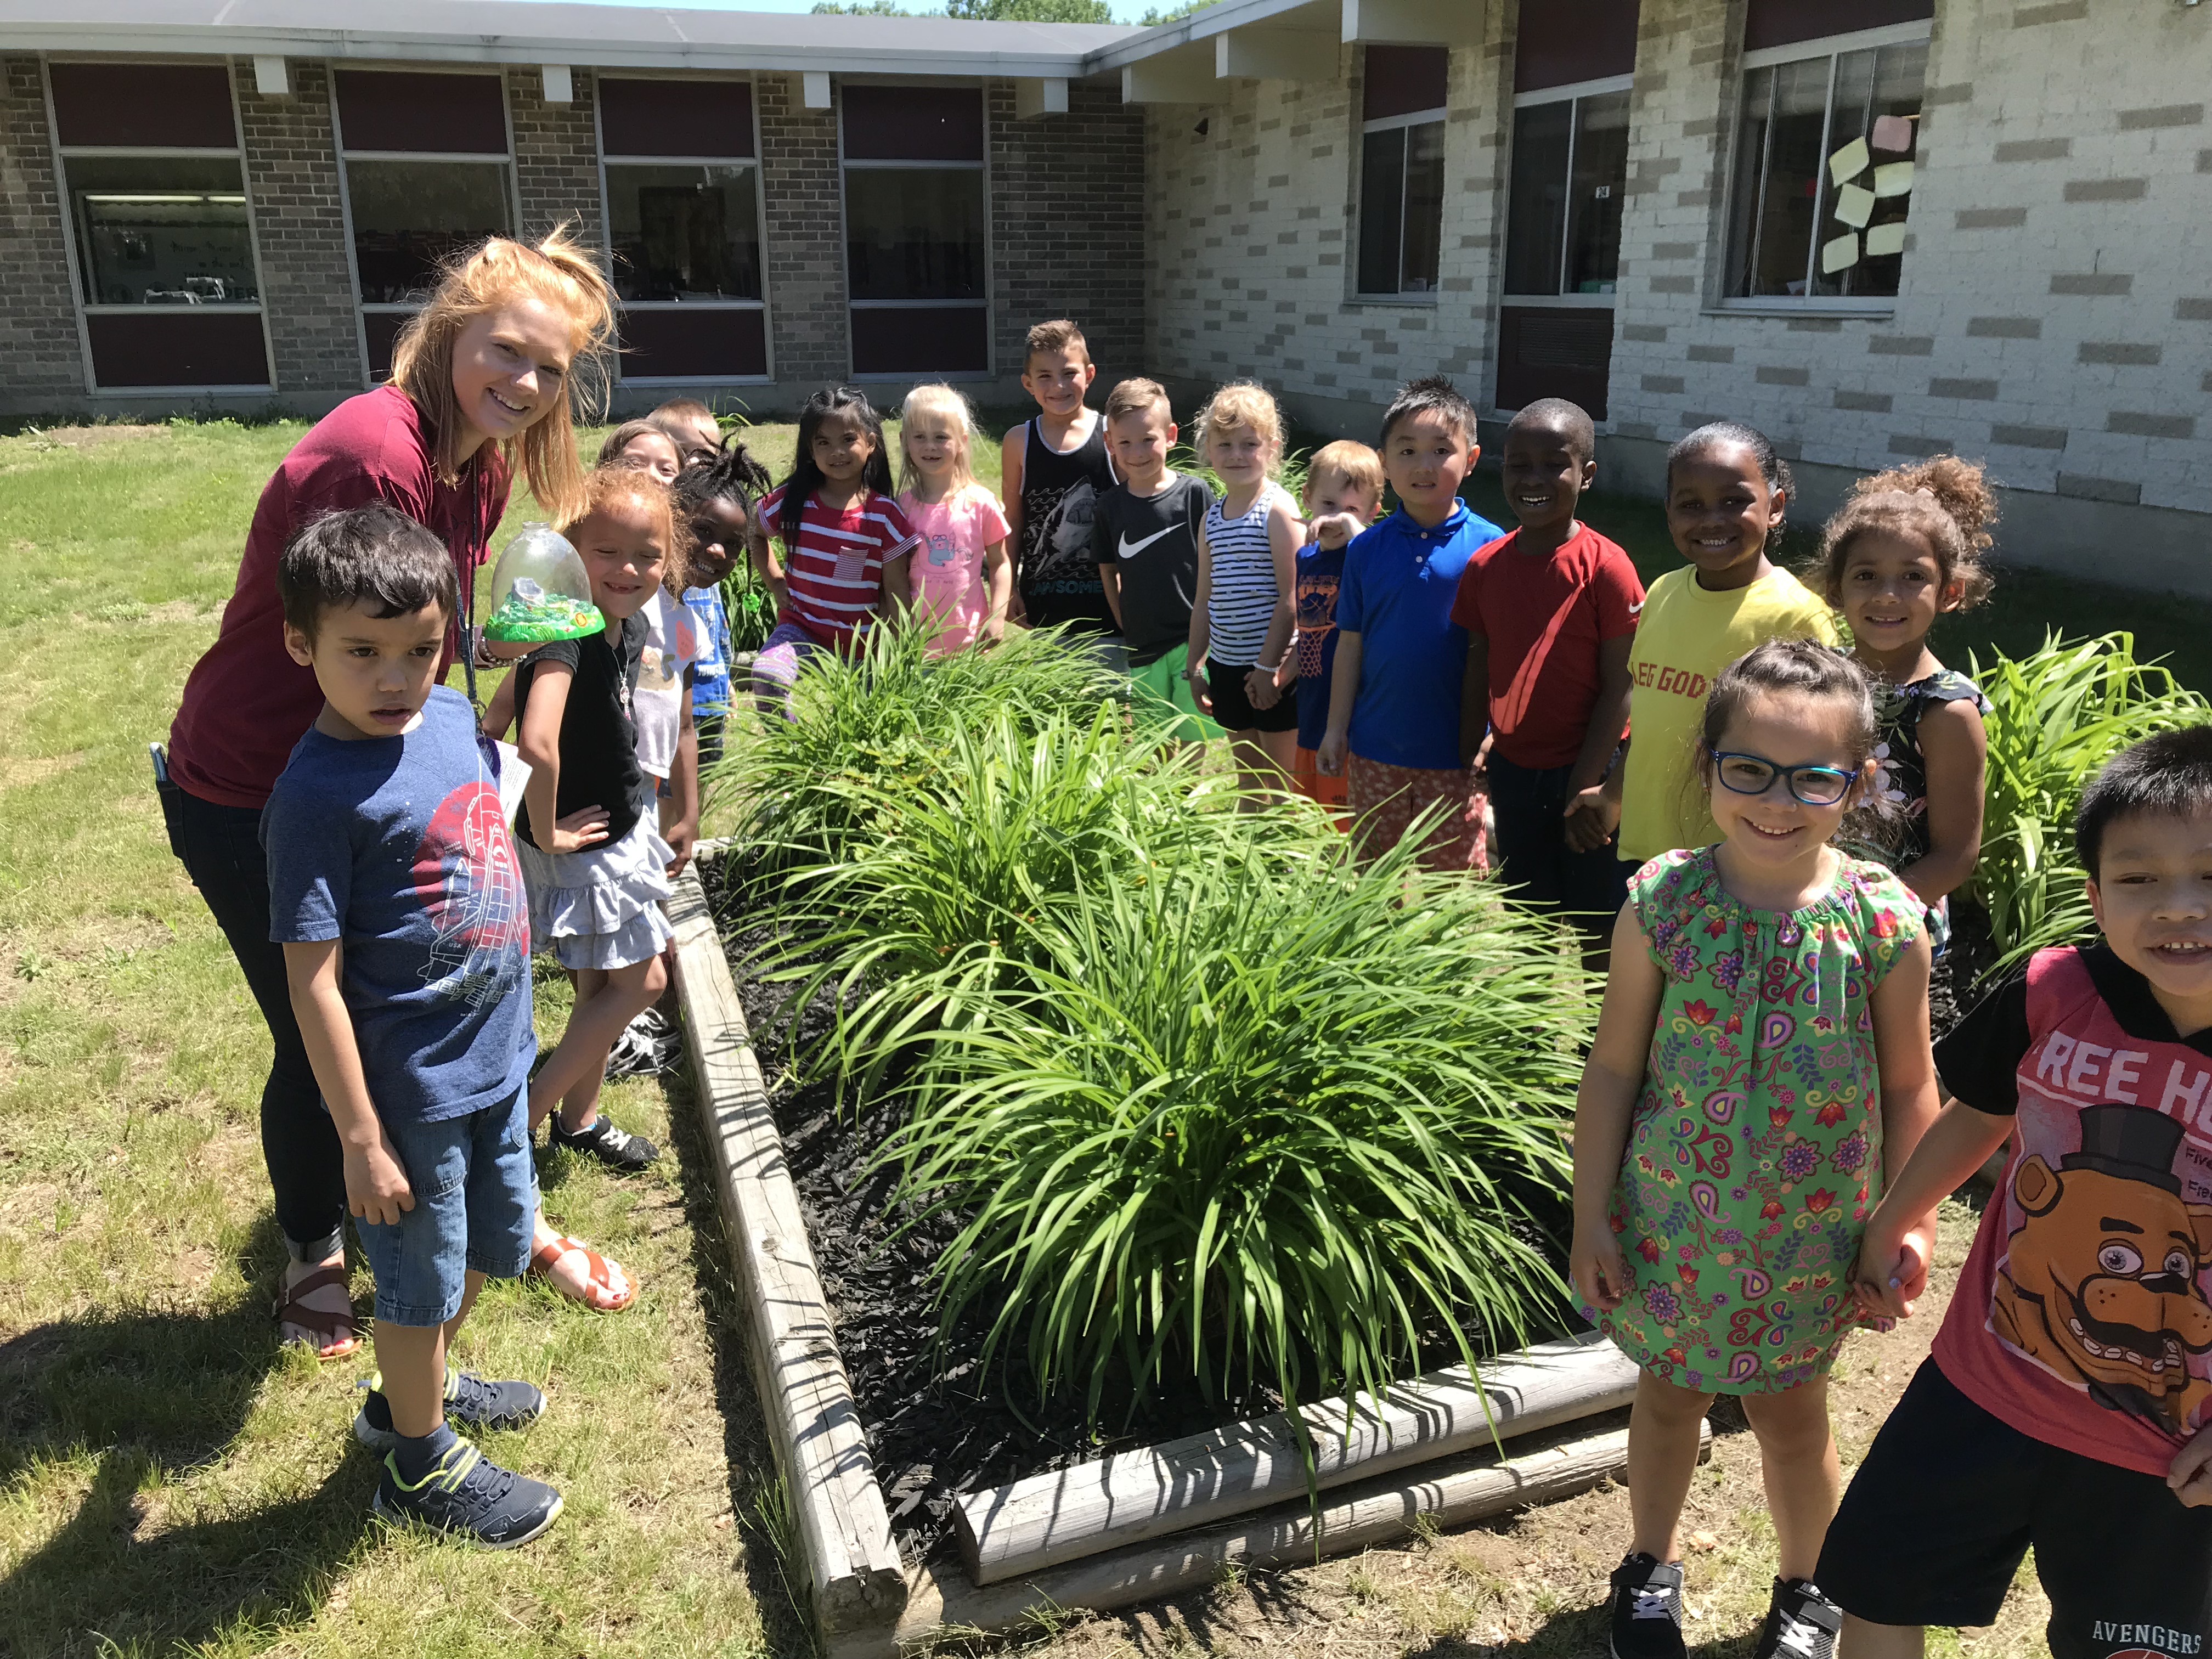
(1832, 47)
(988, 305)
(362, 309)
(1438, 117)
(1572, 92)
(59, 153)
(751, 83)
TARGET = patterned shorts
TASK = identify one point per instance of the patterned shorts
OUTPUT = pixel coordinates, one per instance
(1385, 799)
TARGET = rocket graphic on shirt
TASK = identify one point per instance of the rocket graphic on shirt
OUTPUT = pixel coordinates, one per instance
(469, 882)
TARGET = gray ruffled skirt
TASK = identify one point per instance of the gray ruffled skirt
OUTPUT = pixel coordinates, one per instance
(601, 908)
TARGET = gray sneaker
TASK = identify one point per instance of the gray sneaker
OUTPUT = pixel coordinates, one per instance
(470, 1497)
(472, 1403)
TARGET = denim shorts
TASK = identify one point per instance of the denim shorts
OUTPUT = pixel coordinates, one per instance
(476, 1196)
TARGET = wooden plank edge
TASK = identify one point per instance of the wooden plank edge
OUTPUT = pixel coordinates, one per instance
(1451, 1493)
(1201, 1478)
(857, 1581)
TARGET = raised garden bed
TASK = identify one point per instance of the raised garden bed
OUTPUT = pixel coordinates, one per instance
(1085, 1530)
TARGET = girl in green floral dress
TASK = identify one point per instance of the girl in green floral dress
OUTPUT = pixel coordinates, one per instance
(1761, 1060)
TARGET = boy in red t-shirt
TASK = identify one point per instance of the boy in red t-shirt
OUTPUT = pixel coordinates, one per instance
(2068, 1404)
(1550, 613)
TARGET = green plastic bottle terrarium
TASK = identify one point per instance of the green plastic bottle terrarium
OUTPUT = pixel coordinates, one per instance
(540, 591)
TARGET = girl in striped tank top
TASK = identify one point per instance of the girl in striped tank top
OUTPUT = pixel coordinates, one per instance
(1247, 574)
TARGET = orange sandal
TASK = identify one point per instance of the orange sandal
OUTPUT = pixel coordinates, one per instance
(599, 1294)
(340, 1338)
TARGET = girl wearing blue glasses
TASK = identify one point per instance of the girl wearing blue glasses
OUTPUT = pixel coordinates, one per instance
(1761, 1063)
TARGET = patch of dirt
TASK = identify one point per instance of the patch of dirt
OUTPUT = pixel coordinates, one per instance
(182, 610)
(24, 770)
(1533, 1584)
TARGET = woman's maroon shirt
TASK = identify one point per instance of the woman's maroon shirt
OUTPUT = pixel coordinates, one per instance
(246, 702)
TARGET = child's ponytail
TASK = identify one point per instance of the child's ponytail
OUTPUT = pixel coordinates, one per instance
(1945, 501)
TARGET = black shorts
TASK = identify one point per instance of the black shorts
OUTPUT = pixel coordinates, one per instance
(1233, 710)
(1530, 807)
(1937, 1518)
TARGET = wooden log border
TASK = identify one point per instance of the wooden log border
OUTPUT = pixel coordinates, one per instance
(854, 1573)
(866, 1603)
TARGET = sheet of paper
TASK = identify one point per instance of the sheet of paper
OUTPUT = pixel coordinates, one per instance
(1854, 206)
(1840, 254)
(1894, 178)
(514, 775)
(1892, 133)
(1850, 161)
(1886, 239)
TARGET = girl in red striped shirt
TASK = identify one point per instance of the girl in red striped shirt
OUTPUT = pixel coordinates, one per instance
(845, 542)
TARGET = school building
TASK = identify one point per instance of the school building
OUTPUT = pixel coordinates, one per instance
(1875, 229)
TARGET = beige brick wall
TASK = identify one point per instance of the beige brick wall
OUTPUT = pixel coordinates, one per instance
(1249, 244)
(2055, 307)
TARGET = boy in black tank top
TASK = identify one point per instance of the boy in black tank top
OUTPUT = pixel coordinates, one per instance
(1054, 469)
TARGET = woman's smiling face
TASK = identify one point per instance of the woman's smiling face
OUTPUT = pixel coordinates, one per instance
(511, 366)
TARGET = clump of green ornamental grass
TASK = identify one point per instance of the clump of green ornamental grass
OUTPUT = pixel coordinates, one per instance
(2055, 717)
(1205, 1102)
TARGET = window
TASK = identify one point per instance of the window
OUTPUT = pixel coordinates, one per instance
(1571, 72)
(426, 175)
(1823, 170)
(1401, 169)
(1570, 173)
(160, 231)
(915, 259)
(683, 219)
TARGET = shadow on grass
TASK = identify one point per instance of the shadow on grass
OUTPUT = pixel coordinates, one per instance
(150, 1395)
(775, 1569)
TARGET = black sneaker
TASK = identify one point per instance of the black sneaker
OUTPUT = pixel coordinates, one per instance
(470, 1497)
(616, 1147)
(471, 1403)
(1801, 1623)
(1647, 1610)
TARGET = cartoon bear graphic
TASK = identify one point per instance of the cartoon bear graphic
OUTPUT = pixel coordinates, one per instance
(2100, 1285)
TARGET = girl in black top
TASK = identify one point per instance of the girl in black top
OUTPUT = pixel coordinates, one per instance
(591, 855)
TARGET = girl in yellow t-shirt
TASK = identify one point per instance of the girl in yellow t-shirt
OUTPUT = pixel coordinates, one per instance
(1726, 493)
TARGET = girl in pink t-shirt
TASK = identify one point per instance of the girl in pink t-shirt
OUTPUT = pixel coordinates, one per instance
(961, 577)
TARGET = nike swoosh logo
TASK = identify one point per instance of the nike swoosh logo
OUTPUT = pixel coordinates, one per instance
(1129, 550)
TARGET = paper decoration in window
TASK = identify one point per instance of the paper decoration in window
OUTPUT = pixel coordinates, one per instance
(1850, 161)
(1886, 239)
(1854, 206)
(1893, 179)
(1892, 133)
(1841, 254)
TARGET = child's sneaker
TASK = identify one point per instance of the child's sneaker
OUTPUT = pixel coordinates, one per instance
(470, 1497)
(1647, 1610)
(616, 1147)
(471, 1403)
(1801, 1623)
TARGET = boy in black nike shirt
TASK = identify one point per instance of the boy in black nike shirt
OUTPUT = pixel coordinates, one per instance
(1145, 537)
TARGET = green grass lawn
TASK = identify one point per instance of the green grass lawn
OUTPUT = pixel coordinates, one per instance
(170, 1481)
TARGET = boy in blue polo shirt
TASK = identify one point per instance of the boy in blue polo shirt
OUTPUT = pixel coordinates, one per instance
(393, 889)
(1393, 712)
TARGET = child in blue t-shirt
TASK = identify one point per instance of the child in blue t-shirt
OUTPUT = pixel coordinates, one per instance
(714, 501)
(1393, 710)
(394, 890)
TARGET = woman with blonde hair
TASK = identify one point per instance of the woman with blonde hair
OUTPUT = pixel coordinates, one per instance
(484, 381)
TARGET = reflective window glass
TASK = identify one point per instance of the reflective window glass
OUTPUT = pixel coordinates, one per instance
(162, 230)
(408, 215)
(683, 232)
